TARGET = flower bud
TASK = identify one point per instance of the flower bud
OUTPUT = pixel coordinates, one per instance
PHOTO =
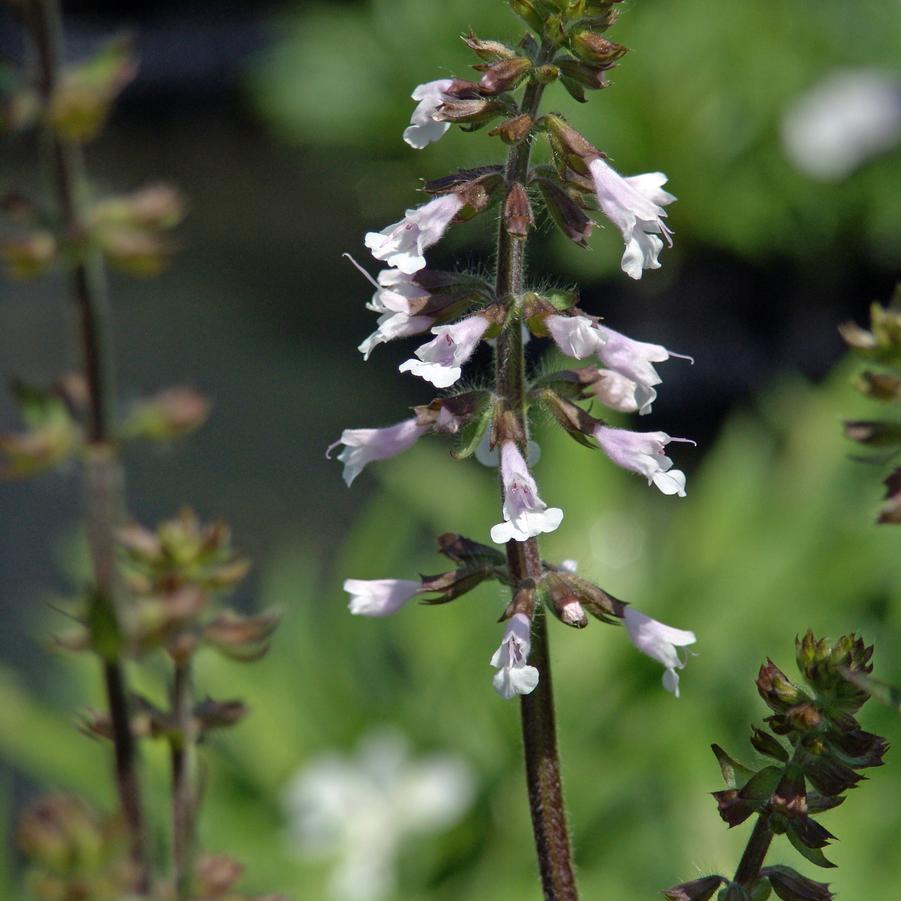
(733, 809)
(565, 211)
(169, 415)
(776, 689)
(765, 744)
(210, 714)
(518, 218)
(490, 51)
(546, 74)
(570, 148)
(476, 111)
(239, 637)
(505, 74)
(31, 255)
(515, 130)
(882, 386)
(563, 598)
(584, 74)
(696, 890)
(592, 48)
(469, 553)
(790, 885)
(528, 11)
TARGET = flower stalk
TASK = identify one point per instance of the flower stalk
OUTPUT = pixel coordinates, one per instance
(183, 758)
(104, 479)
(524, 561)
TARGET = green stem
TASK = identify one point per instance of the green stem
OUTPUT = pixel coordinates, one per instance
(524, 562)
(749, 866)
(183, 749)
(104, 480)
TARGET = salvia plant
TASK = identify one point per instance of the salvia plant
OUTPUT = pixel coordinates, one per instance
(151, 591)
(818, 747)
(566, 47)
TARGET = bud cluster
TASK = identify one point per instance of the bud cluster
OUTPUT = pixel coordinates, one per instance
(880, 346)
(818, 748)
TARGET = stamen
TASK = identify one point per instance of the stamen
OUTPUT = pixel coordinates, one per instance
(366, 275)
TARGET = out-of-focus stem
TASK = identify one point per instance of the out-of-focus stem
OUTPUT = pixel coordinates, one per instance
(104, 481)
(524, 562)
(183, 748)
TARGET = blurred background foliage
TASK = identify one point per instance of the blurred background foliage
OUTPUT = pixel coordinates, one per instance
(282, 124)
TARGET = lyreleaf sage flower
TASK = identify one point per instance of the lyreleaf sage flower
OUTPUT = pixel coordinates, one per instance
(403, 244)
(379, 597)
(362, 446)
(616, 391)
(514, 676)
(635, 205)
(441, 360)
(633, 359)
(576, 336)
(659, 642)
(642, 452)
(361, 810)
(392, 326)
(423, 128)
(525, 513)
(394, 292)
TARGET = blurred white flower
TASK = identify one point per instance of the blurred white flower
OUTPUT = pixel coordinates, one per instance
(842, 121)
(361, 809)
(423, 129)
(659, 642)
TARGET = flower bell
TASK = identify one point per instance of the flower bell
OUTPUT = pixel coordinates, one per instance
(424, 128)
(514, 676)
(362, 446)
(642, 452)
(659, 642)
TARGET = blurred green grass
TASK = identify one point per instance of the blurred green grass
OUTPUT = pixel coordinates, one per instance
(775, 536)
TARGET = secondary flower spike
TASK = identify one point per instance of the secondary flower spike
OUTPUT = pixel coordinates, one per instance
(635, 205)
(379, 597)
(659, 642)
(403, 244)
(642, 452)
(362, 446)
(514, 676)
(525, 513)
(423, 129)
(441, 360)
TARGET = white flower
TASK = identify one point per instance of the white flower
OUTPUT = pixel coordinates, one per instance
(842, 121)
(441, 360)
(391, 326)
(362, 446)
(379, 597)
(513, 676)
(423, 129)
(635, 205)
(659, 642)
(634, 359)
(488, 456)
(616, 391)
(525, 513)
(642, 452)
(394, 292)
(574, 335)
(360, 809)
(402, 244)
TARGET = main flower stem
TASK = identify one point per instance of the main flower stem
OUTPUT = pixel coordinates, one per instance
(104, 480)
(748, 871)
(183, 747)
(524, 563)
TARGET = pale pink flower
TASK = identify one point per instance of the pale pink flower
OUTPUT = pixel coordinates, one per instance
(423, 129)
(635, 205)
(642, 452)
(574, 335)
(633, 359)
(441, 360)
(403, 244)
(514, 676)
(379, 597)
(362, 446)
(659, 642)
(394, 292)
(525, 513)
(394, 325)
(616, 391)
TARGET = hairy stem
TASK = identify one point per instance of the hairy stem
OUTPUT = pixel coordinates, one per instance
(749, 866)
(104, 481)
(184, 795)
(524, 562)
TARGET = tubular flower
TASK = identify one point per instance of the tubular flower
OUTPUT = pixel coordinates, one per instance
(391, 326)
(362, 446)
(634, 204)
(423, 129)
(402, 244)
(616, 391)
(642, 452)
(525, 513)
(633, 359)
(574, 335)
(514, 676)
(659, 642)
(394, 292)
(441, 360)
(379, 597)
